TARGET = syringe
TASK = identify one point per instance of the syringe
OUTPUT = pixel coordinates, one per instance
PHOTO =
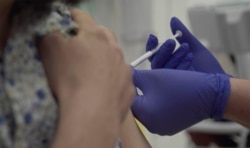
(152, 52)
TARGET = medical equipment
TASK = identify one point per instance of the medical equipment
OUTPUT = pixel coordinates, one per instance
(152, 52)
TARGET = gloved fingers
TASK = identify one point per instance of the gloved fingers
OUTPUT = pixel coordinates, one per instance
(152, 43)
(137, 106)
(184, 66)
(188, 58)
(139, 79)
(143, 114)
(137, 90)
(186, 62)
(177, 58)
(140, 112)
(187, 36)
(163, 55)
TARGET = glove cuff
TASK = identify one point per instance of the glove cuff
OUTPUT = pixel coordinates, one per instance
(223, 92)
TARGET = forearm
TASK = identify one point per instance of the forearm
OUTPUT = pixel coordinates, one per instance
(131, 135)
(83, 126)
(92, 135)
(238, 106)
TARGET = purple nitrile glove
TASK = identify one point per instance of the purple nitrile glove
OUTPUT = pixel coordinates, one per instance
(191, 55)
(174, 100)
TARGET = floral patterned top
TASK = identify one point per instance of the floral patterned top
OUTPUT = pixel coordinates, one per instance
(28, 111)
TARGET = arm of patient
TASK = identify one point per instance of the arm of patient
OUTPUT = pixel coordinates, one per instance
(131, 135)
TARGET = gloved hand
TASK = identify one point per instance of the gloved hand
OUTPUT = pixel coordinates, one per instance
(175, 99)
(191, 55)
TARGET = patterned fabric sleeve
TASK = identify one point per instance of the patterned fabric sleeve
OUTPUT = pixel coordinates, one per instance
(28, 110)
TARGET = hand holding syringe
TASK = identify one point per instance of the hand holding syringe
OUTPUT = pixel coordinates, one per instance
(152, 52)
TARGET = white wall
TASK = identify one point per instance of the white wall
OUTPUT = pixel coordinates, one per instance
(165, 9)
